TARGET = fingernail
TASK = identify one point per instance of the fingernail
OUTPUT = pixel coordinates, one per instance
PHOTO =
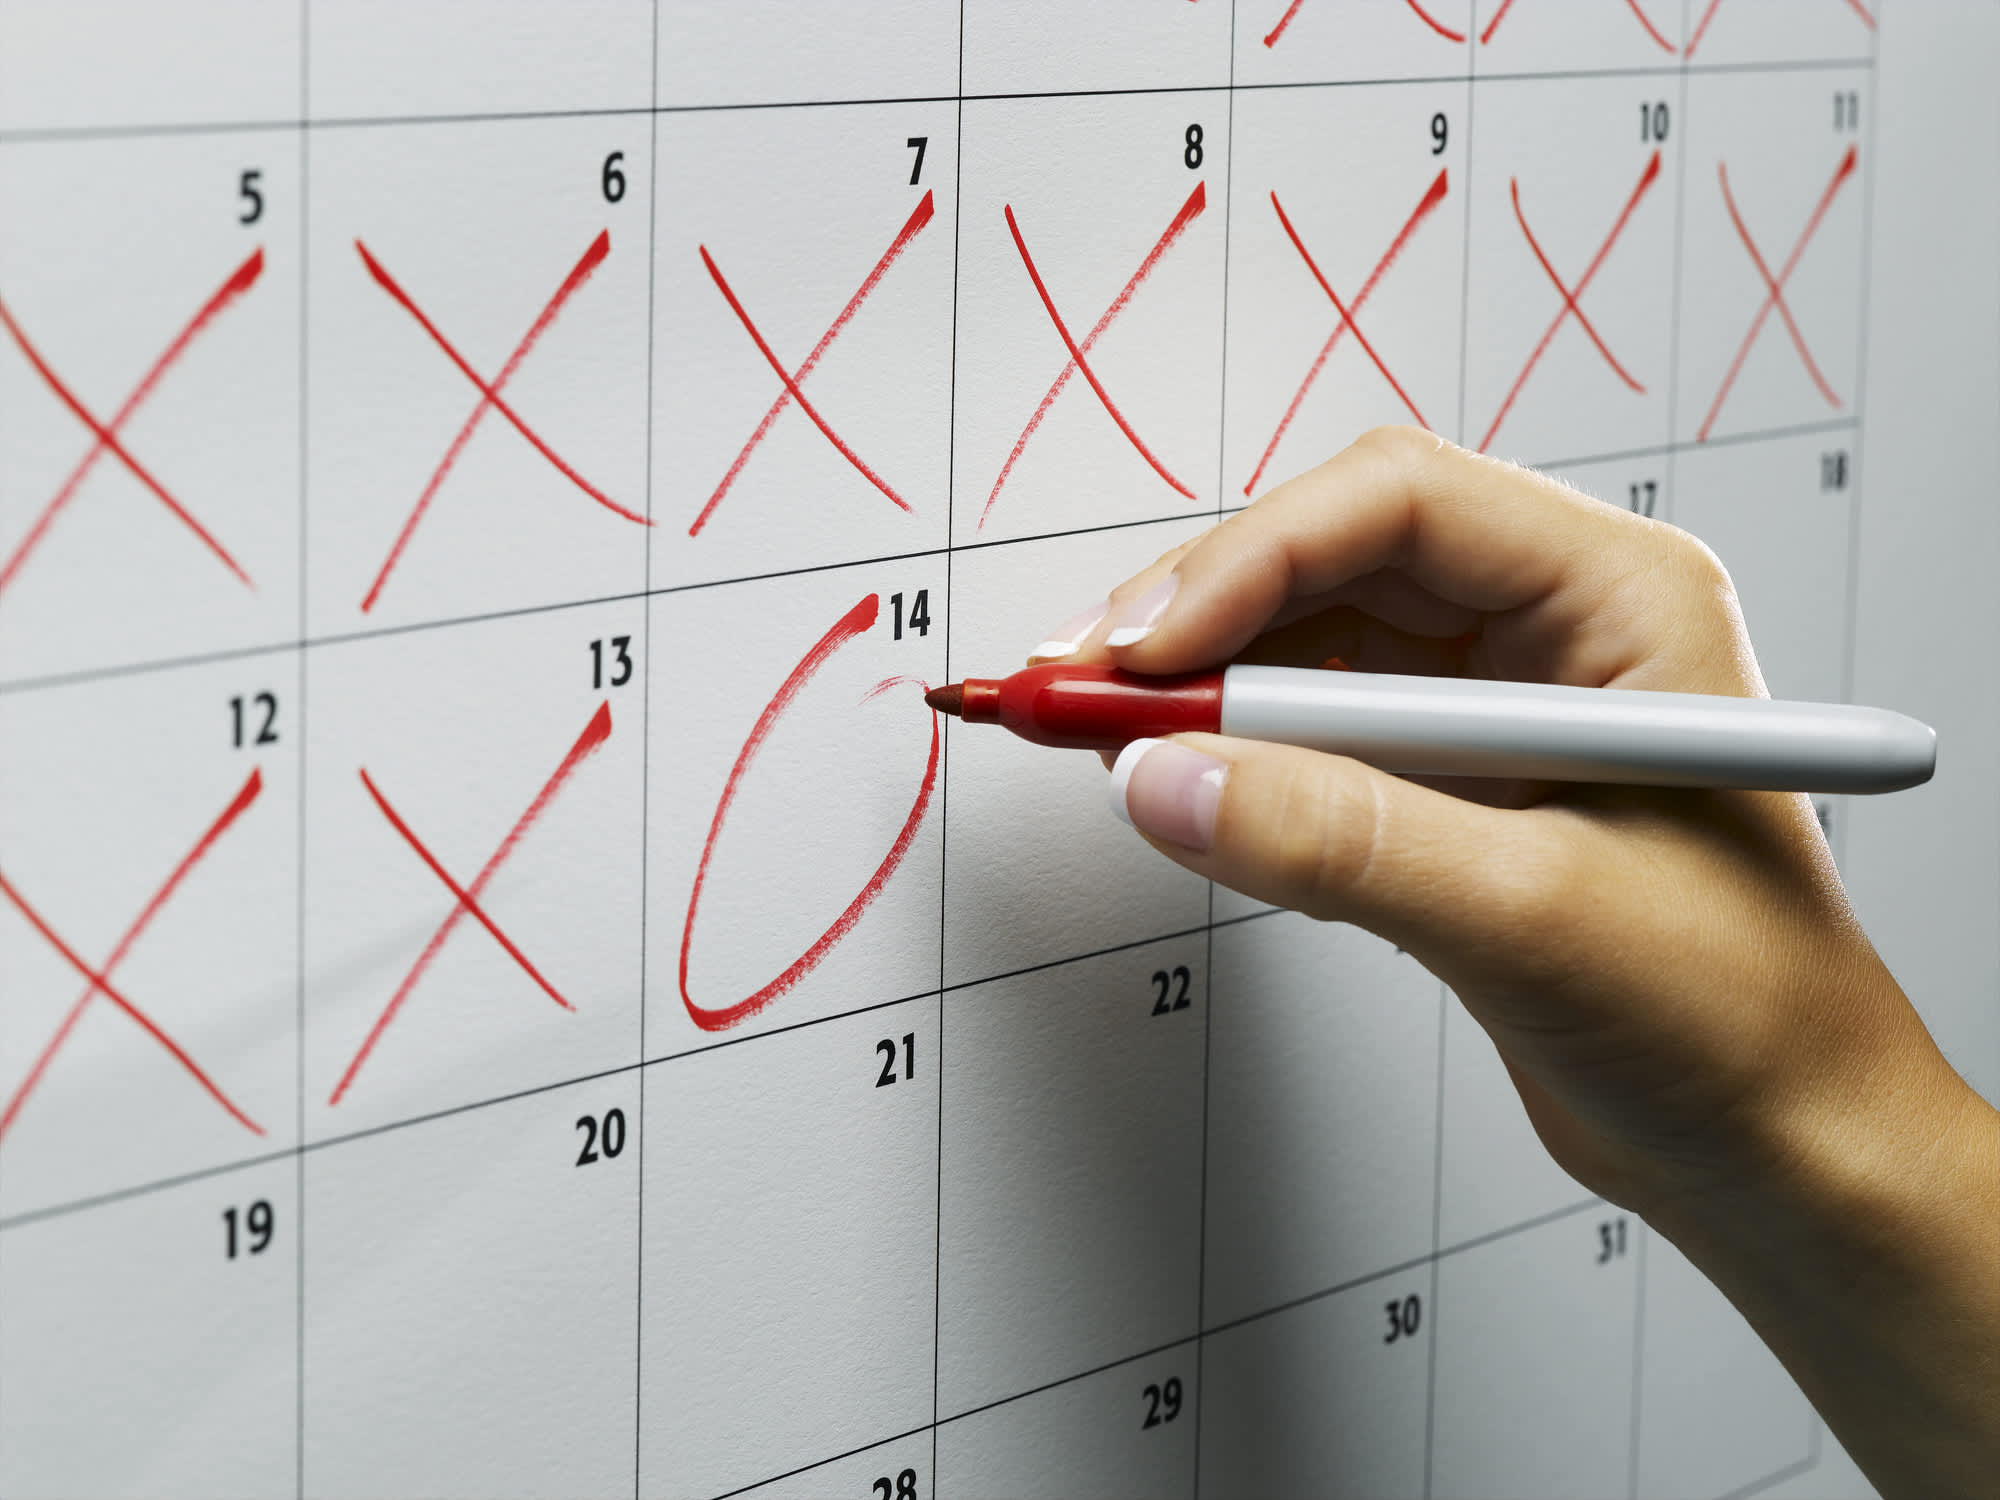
(1169, 791)
(1143, 613)
(1070, 634)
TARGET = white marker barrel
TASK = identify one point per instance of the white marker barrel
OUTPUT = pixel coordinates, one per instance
(1448, 726)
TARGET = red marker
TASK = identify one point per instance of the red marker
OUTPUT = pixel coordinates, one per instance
(1465, 727)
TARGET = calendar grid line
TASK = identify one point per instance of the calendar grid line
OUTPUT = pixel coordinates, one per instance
(1444, 993)
(645, 793)
(944, 766)
(303, 670)
(1776, 1477)
(1208, 936)
(36, 135)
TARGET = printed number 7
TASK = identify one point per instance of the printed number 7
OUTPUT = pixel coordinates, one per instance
(919, 144)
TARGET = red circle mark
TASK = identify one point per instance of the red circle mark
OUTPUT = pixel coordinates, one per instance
(846, 628)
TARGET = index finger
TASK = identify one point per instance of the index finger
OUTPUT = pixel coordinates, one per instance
(1474, 531)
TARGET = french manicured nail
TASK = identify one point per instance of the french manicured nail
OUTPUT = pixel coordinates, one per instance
(1070, 634)
(1169, 791)
(1139, 617)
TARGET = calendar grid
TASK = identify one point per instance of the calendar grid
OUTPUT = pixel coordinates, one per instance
(301, 650)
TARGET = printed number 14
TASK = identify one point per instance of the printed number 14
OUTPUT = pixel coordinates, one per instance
(920, 613)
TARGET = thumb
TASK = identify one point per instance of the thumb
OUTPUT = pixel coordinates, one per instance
(1464, 887)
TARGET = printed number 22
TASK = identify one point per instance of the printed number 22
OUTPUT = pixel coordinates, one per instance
(1175, 985)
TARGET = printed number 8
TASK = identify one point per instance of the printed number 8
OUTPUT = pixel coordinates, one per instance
(1192, 156)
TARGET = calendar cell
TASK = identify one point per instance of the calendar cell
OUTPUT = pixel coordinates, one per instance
(1071, 1179)
(790, 1250)
(1128, 1430)
(1556, 1308)
(1323, 1398)
(1089, 312)
(479, 353)
(1780, 514)
(371, 59)
(149, 462)
(802, 307)
(472, 905)
(1322, 1111)
(1037, 867)
(167, 1319)
(509, 1293)
(777, 52)
(794, 868)
(149, 885)
(1495, 1172)
(1321, 41)
(1570, 275)
(1771, 266)
(1051, 47)
(1342, 317)
(1717, 1412)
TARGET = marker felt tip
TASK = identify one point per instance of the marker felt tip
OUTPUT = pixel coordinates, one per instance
(1458, 727)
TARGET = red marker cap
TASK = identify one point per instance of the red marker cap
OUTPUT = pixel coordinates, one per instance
(1092, 708)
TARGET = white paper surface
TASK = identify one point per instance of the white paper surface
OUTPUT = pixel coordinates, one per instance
(484, 489)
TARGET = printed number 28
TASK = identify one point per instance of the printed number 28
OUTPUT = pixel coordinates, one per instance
(904, 1488)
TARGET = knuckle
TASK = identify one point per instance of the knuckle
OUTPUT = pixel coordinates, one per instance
(1402, 448)
(1326, 825)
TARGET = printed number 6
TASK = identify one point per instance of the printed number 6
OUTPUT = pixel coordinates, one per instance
(613, 180)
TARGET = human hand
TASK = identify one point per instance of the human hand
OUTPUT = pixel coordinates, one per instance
(1695, 1022)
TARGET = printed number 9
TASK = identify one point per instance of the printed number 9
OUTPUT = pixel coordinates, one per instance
(1192, 155)
(613, 180)
(1440, 133)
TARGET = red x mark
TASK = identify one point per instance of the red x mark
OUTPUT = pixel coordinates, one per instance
(1633, 5)
(1189, 212)
(466, 898)
(1271, 37)
(1647, 178)
(857, 621)
(490, 398)
(98, 980)
(919, 217)
(105, 434)
(1701, 27)
(1433, 196)
(1774, 289)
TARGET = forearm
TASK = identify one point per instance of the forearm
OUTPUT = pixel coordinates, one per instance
(1866, 1252)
